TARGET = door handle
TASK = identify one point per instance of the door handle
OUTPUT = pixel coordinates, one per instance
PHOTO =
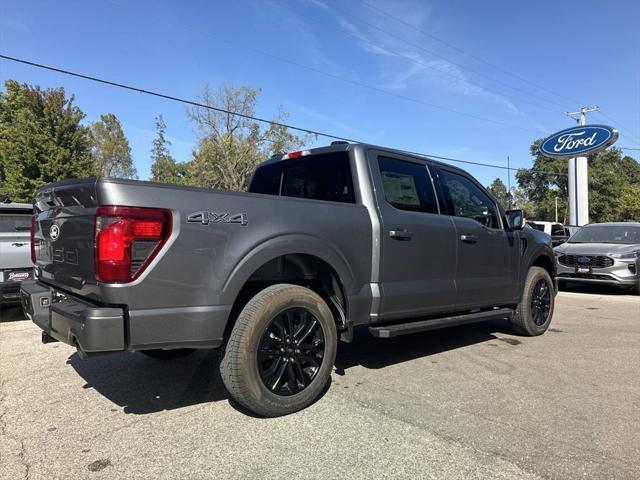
(400, 234)
(469, 238)
(18, 244)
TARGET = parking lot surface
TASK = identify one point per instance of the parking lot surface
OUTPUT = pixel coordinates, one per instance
(464, 402)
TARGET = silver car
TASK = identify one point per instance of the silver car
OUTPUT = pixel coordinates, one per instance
(603, 253)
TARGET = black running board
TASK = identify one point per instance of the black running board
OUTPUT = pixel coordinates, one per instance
(395, 330)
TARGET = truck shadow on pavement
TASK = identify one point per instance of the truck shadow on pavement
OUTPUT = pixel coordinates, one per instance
(142, 385)
(11, 313)
(374, 353)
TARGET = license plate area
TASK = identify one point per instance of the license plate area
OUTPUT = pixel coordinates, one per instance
(16, 275)
(583, 269)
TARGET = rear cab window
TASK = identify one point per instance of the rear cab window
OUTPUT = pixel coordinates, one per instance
(325, 176)
(14, 222)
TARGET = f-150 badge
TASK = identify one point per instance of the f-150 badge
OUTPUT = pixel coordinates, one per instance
(205, 218)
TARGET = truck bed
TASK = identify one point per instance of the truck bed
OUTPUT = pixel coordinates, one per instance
(218, 239)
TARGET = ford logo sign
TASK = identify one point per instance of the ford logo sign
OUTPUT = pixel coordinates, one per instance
(576, 141)
(54, 232)
(584, 260)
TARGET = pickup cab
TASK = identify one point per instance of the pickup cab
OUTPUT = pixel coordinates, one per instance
(325, 240)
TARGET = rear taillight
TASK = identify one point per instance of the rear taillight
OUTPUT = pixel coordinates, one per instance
(127, 239)
(32, 239)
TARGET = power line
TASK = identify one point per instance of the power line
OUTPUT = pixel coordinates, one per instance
(470, 55)
(242, 115)
(381, 90)
(419, 47)
(441, 71)
(632, 136)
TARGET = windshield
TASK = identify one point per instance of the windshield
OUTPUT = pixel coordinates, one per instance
(622, 234)
(15, 223)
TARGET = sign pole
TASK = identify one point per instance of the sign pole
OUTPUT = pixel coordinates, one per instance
(579, 178)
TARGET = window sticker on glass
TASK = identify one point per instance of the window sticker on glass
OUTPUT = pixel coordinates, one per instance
(400, 189)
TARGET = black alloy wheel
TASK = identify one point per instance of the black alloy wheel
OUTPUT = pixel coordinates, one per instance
(540, 302)
(291, 351)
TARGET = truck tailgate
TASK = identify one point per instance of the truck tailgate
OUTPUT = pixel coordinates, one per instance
(63, 238)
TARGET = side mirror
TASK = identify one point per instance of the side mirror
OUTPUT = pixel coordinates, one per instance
(515, 219)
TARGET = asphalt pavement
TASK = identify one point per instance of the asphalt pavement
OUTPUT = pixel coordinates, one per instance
(459, 403)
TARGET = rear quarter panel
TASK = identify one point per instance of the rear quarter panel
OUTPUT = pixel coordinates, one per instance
(203, 265)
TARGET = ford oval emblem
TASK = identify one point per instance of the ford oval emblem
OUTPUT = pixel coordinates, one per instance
(584, 260)
(576, 141)
(54, 232)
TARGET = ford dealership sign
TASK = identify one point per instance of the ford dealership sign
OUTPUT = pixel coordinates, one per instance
(578, 141)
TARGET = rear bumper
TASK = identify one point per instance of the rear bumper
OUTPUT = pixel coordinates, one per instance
(89, 328)
(9, 292)
(93, 329)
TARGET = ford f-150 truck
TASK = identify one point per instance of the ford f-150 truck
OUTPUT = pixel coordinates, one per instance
(325, 240)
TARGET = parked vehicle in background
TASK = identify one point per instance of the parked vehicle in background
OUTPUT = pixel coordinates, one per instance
(325, 240)
(558, 233)
(15, 259)
(604, 253)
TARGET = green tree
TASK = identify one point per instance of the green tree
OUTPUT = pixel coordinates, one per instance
(541, 185)
(110, 149)
(630, 203)
(164, 168)
(41, 139)
(499, 190)
(611, 175)
(231, 146)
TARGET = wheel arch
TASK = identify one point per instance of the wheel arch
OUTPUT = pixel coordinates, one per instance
(301, 259)
(546, 261)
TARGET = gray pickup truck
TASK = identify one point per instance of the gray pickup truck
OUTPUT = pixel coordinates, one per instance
(325, 240)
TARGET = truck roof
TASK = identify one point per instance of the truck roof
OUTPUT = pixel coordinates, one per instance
(8, 207)
(345, 147)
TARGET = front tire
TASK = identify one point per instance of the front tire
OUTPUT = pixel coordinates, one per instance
(280, 351)
(533, 315)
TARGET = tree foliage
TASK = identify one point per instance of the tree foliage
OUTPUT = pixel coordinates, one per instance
(41, 139)
(613, 180)
(164, 168)
(110, 149)
(499, 190)
(230, 146)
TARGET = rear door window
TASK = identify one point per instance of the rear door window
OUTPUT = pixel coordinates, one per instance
(319, 177)
(407, 185)
(14, 223)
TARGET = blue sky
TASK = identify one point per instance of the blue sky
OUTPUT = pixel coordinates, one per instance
(572, 53)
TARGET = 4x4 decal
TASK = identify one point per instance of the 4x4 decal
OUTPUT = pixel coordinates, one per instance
(205, 218)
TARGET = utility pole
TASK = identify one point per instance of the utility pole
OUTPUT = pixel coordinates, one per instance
(509, 181)
(556, 209)
(579, 178)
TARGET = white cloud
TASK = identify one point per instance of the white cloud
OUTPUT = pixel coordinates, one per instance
(16, 23)
(403, 63)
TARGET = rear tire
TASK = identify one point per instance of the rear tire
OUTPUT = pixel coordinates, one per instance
(533, 315)
(160, 354)
(262, 372)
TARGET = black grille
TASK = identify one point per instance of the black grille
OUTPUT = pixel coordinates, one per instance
(595, 261)
(584, 275)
